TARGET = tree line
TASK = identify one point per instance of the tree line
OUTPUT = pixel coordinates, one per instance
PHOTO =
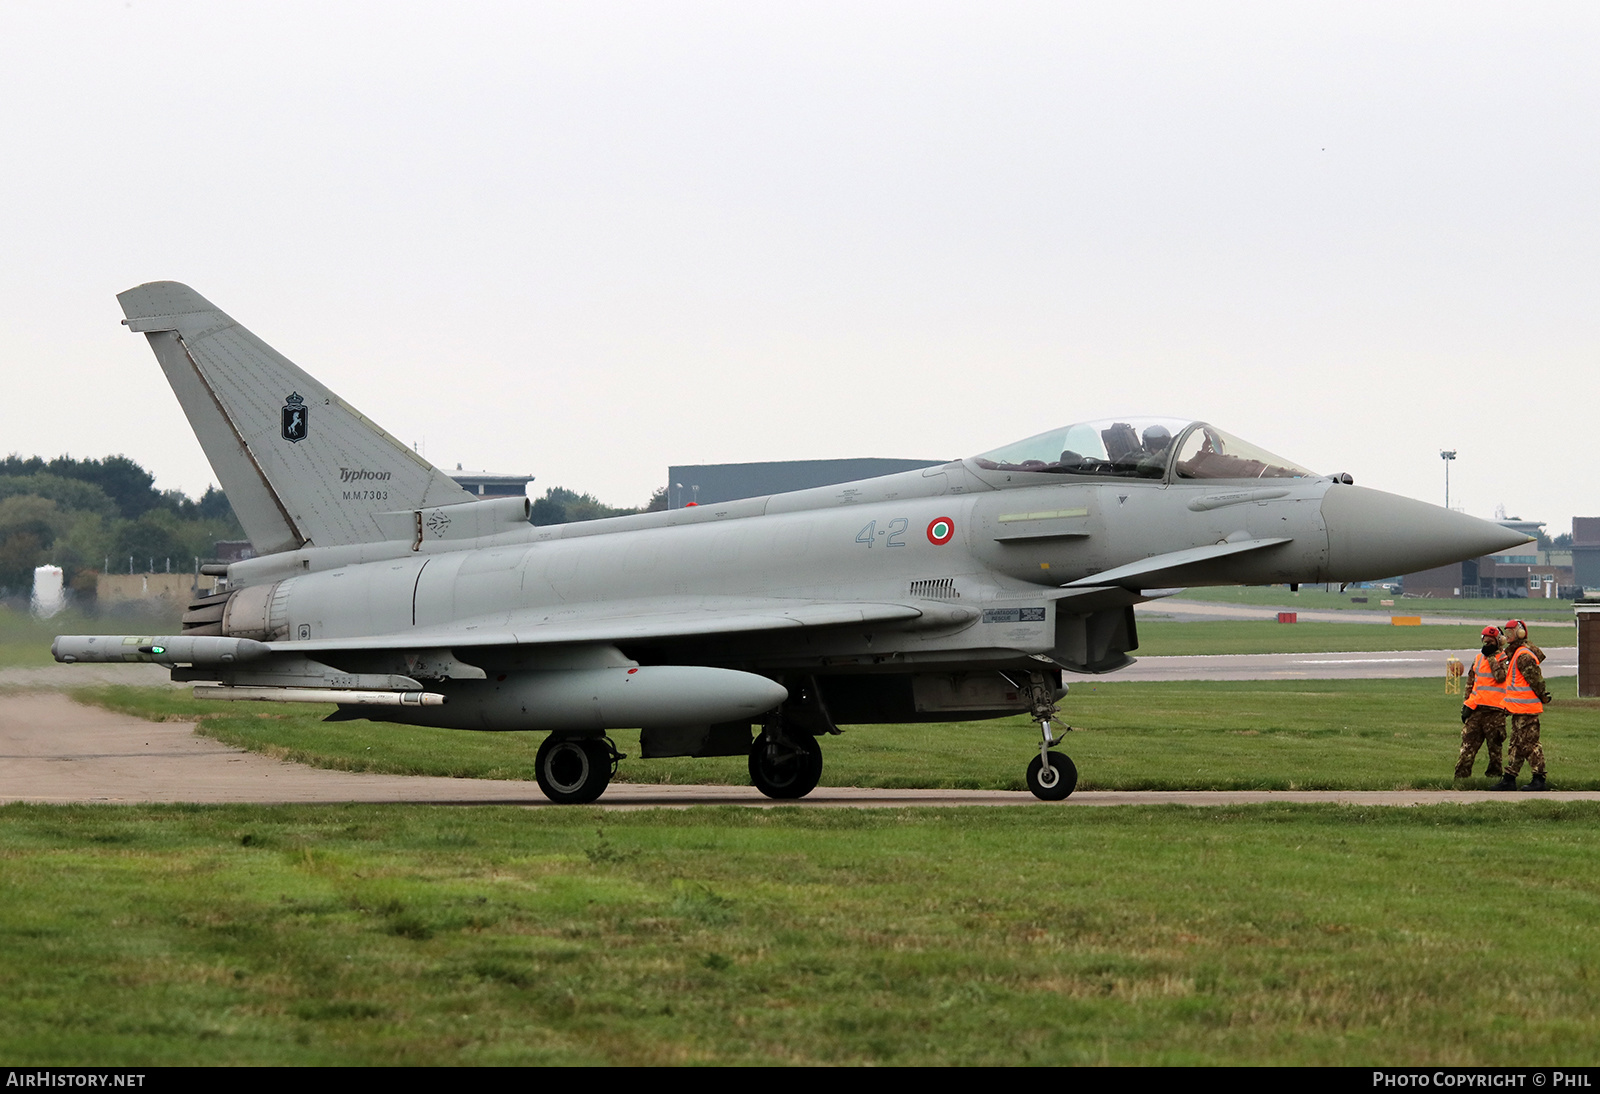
(78, 514)
(562, 506)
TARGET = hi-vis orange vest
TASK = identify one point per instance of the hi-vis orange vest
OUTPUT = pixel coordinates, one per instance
(1520, 698)
(1485, 692)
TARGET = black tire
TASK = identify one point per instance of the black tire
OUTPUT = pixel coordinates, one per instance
(1066, 778)
(788, 767)
(573, 770)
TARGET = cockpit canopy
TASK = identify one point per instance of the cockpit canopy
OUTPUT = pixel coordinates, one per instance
(1143, 448)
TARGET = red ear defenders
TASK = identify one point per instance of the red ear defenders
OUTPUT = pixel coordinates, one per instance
(1515, 629)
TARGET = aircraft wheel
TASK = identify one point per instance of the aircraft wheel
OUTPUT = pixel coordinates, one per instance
(573, 770)
(1062, 781)
(785, 767)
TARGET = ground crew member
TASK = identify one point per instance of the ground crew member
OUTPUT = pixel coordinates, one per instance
(1483, 715)
(1526, 695)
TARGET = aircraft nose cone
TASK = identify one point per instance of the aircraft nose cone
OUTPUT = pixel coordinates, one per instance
(1372, 534)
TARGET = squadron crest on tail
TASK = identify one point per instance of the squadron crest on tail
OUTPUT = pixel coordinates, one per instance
(295, 418)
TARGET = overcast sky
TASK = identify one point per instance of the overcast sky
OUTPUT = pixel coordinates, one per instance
(586, 240)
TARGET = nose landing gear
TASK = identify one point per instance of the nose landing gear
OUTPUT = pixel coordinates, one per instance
(1052, 776)
(1055, 782)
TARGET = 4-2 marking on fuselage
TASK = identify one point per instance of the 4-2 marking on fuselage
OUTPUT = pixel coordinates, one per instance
(897, 528)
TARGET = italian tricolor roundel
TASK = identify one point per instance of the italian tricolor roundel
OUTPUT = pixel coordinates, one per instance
(940, 530)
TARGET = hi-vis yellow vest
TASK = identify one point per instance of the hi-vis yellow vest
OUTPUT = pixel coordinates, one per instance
(1485, 692)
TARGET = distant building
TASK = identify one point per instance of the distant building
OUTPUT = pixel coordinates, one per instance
(1520, 573)
(233, 550)
(487, 485)
(1586, 552)
(705, 483)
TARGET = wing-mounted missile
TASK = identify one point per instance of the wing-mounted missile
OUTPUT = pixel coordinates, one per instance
(289, 678)
(343, 696)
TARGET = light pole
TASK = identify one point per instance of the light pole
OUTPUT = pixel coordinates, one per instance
(1447, 455)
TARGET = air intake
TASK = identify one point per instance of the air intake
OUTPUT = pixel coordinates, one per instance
(936, 588)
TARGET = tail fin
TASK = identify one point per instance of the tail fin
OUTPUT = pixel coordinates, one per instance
(301, 467)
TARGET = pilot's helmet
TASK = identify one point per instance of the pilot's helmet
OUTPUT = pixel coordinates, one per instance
(1156, 438)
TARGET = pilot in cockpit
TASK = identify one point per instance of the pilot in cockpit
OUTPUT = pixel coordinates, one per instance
(1157, 443)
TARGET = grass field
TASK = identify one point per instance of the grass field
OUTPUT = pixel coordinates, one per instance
(1315, 598)
(445, 935)
(1159, 638)
(1226, 735)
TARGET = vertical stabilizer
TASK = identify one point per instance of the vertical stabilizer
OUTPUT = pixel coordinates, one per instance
(301, 467)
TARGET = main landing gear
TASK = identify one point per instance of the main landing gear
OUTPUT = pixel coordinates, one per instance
(785, 758)
(575, 770)
(1052, 776)
(785, 763)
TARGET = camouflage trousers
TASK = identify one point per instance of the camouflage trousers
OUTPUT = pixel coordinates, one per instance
(1525, 744)
(1484, 726)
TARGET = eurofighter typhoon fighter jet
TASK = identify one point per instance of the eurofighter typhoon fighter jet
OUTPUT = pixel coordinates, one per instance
(750, 627)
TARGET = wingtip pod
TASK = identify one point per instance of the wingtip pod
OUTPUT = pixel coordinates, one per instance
(163, 650)
(1372, 534)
